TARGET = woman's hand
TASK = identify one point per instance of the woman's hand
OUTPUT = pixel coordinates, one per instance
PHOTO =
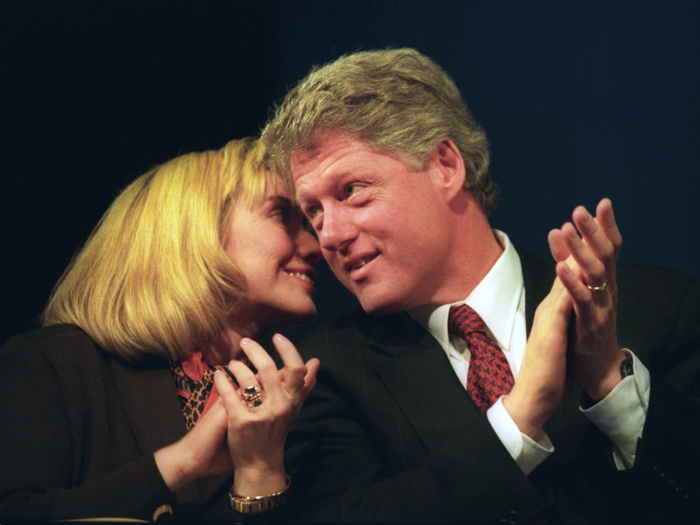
(256, 434)
(201, 452)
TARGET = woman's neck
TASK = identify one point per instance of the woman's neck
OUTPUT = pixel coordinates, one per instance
(228, 347)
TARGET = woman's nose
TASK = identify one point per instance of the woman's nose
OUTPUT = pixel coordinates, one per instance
(308, 247)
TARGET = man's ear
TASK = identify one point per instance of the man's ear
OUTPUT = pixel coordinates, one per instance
(448, 166)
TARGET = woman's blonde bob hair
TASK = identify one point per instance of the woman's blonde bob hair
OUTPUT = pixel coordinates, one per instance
(153, 279)
(396, 100)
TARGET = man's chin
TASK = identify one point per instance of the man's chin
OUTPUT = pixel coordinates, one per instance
(376, 307)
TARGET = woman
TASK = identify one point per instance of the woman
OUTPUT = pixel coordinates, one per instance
(193, 260)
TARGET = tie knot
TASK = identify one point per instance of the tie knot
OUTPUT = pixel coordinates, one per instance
(464, 320)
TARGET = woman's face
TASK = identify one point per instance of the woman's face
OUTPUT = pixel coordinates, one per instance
(277, 256)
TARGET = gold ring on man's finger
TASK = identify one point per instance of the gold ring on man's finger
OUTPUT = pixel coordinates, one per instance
(600, 288)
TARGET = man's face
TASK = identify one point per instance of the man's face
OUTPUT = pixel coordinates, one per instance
(382, 226)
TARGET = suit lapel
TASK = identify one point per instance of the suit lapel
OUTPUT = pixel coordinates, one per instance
(538, 276)
(422, 381)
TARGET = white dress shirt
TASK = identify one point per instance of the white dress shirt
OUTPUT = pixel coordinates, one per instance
(500, 301)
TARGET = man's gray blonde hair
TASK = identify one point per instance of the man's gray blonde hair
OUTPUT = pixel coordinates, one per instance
(397, 101)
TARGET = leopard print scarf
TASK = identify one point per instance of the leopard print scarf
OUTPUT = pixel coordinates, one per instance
(193, 393)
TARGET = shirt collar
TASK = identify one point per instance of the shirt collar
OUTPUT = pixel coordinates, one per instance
(495, 299)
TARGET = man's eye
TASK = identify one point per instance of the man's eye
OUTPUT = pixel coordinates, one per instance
(352, 189)
(313, 212)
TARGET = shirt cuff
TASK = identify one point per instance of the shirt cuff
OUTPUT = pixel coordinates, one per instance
(526, 452)
(622, 413)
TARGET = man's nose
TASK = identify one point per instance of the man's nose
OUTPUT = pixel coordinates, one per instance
(337, 230)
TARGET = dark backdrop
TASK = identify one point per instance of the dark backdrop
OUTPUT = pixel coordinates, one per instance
(580, 100)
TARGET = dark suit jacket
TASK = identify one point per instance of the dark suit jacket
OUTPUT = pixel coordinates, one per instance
(390, 435)
(79, 429)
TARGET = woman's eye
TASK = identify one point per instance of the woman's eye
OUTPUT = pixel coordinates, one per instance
(313, 212)
(308, 226)
(282, 214)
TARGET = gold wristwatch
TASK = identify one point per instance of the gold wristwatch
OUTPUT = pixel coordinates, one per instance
(258, 504)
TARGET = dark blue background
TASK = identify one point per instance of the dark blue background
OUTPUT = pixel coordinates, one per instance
(580, 100)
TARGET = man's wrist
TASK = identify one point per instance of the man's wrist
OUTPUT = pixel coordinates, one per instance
(626, 368)
(520, 414)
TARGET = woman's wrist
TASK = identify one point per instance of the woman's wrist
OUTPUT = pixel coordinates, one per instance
(253, 482)
(172, 467)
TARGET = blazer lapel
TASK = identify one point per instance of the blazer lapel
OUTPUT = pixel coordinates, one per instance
(422, 381)
(152, 406)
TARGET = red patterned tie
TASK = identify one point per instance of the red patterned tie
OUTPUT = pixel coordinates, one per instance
(489, 374)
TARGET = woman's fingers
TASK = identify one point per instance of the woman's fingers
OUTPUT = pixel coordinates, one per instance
(312, 367)
(294, 372)
(267, 375)
(294, 381)
(228, 393)
(244, 375)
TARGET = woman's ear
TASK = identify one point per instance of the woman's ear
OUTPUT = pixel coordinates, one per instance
(448, 167)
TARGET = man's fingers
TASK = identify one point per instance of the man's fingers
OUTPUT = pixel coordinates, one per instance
(580, 295)
(557, 245)
(593, 270)
(606, 220)
(594, 236)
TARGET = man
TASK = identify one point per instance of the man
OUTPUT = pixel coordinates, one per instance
(428, 410)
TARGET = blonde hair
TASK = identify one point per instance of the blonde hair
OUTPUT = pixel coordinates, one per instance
(153, 280)
(395, 100)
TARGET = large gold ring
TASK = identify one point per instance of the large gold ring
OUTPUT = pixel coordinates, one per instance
(252, 396)
(600, 288)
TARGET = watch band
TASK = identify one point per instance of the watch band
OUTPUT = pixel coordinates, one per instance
(627, 366)
(258, 504)
(626, 369)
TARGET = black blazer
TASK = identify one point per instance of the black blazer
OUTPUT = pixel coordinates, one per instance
(390, 435)
(79, 432)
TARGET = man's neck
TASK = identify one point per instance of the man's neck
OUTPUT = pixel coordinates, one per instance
(476, 249)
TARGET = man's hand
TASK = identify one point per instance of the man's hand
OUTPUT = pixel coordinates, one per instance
(542, 383)
(586, 268)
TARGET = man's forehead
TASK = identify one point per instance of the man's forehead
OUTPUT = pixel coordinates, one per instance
(328, 146)
(322, 148)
